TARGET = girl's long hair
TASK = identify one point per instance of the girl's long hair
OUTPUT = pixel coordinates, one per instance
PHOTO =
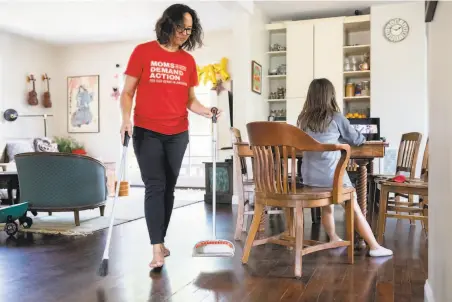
(320, 106)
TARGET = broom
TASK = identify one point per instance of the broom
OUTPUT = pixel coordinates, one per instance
(214, 247)
(103, 269)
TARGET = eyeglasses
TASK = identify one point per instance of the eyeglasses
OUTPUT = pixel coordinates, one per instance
(180, 29)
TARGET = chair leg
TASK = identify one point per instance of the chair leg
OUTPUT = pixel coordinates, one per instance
(239, 223)
(350, 228)
(411, 201)
(77, 218)
(289, 221)
(382, 215)
(315, 215)
(299, 241)
(102, 210)
(246, 217)
(258, 210)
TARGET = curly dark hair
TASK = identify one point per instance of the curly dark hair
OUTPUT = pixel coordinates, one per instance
(174, 16)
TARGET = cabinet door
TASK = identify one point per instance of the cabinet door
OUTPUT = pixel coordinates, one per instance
(300, 56)
(328, 54)
(293, 109)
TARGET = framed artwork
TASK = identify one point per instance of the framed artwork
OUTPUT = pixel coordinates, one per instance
(83, 104)
(256, 77)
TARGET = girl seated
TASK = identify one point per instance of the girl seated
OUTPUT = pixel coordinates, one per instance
(322, 119)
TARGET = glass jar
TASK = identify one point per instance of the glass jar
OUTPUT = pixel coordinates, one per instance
(347, 66)
(365, 88)
(350, 89)
(358, 89)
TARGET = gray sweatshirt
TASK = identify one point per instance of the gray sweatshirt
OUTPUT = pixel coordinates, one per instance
(318, 168)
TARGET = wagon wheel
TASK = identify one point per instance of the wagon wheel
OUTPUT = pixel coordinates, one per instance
(27, 222)
(11, 228)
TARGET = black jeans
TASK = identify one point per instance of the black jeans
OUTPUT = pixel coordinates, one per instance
(159, 157)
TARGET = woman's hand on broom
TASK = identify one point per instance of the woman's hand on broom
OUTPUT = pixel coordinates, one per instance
(209, 114)
(126, 126)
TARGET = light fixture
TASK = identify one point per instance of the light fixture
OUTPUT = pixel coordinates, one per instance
(11, 115)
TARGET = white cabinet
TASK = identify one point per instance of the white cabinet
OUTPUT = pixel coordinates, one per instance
(294, 106)
(300, 57)
(328, 53)
(315, 49)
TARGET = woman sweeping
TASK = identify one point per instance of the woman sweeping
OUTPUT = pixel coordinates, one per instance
(163, 75)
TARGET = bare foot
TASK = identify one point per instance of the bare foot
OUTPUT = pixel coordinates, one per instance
(159, 256)
(335, 238)
(166, 251)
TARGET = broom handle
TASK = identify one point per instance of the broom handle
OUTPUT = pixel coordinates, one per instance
(214, 170)
(118, 184)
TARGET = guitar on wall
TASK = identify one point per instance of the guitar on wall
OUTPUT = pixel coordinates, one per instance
(32, 95)
(46, 97)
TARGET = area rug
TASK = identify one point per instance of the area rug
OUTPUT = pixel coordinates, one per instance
(128, 208)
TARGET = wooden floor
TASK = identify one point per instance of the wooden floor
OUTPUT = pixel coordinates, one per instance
(63, 269)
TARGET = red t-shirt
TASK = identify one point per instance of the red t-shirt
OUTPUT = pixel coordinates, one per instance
(162, 93)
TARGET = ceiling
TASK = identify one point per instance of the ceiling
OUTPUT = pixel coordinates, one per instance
(81, 21)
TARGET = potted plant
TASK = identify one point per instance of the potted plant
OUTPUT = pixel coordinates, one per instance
(69, 145)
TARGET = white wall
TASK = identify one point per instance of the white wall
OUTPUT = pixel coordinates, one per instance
(440, 164)
(251, 41)
(20, 57)
(398, 76)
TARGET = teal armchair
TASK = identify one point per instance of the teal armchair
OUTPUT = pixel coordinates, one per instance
(61, 182)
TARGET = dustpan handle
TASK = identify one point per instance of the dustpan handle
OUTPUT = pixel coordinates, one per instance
(214, 111)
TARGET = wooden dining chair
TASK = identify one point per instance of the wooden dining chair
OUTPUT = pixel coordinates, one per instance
(413, 186)
(245, 190)
(406, 164)
(273, 146)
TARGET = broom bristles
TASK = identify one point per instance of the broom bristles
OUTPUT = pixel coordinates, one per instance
(103, 269)
(209, 242)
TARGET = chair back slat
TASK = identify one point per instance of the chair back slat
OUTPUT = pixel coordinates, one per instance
(424, 167)
(278, 167)
(408, 152)
(237, 138)
(275, 144)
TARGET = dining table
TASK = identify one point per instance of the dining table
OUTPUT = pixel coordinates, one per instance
(362, 156)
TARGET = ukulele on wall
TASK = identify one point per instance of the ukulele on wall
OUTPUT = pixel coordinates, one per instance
(32, 95)
(46, 97)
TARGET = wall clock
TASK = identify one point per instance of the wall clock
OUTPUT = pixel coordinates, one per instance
(396, 30)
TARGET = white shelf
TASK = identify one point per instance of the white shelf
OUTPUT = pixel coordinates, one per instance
(277, 53)
(357, 23)
(356, 98)
(276, 100)
(278, 76)
(357, 73)
(356, 49)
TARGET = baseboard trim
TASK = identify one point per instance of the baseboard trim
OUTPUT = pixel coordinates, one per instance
(428, 293)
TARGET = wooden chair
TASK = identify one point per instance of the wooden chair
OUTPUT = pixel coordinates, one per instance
(273, 145)
(245, 189)
(414, 186)
(406, 163)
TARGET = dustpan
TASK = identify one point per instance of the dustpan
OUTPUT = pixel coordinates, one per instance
(214, 247)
